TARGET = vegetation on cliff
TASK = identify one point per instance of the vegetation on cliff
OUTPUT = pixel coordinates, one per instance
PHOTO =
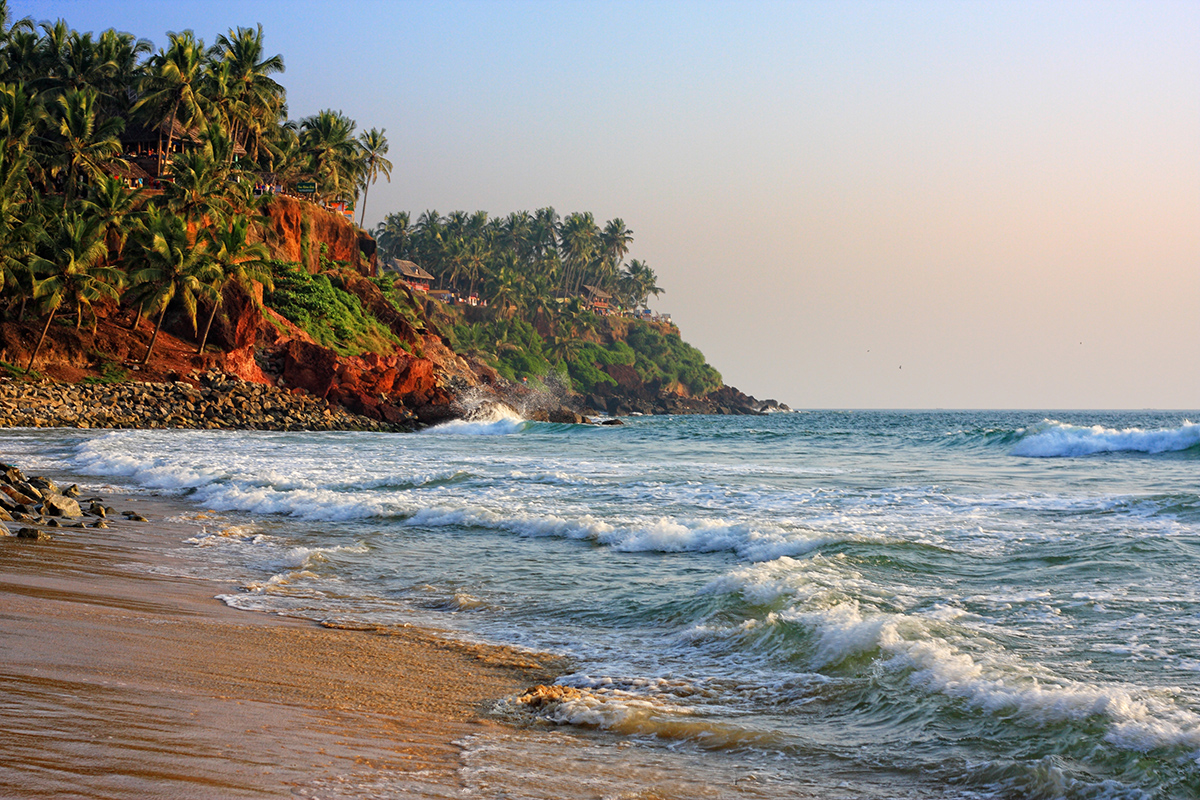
(82, 117)
(145, 186)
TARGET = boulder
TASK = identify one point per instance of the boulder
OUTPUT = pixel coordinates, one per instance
(4, 531)
(17, 497)
(44, 485)
(11, 474)
(566, 415)
(55, 505)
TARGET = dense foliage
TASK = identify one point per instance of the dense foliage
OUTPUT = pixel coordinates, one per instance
(81, 221)
(330, 315)
(522, 262)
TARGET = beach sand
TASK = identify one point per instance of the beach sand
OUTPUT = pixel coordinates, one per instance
(121, 680)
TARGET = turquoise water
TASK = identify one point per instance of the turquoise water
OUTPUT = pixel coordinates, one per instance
(961, 604)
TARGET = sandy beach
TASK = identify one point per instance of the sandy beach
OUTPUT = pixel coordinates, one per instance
(121, 680)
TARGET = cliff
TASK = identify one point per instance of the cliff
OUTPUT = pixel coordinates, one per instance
(330, 331)
(301, 232)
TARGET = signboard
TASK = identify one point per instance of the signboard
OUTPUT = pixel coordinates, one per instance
(306, 187)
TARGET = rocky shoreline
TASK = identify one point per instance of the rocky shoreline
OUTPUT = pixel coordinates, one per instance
(213, 401)
(43, 505)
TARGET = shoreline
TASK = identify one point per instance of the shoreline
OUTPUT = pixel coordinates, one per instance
(126, 680)
(211, 401)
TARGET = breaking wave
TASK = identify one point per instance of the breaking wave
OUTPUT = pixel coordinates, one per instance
(1052, 439)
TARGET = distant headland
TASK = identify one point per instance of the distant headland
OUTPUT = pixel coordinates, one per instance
(163, 222)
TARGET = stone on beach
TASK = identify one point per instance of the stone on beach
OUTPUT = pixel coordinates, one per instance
(58, 506)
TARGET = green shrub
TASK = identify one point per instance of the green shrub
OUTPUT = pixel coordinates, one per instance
(331, 316)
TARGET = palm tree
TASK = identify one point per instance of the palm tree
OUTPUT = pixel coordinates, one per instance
(200, 186)
(171, 91)
(259, 97)
(614, 245)
(236, 260)
(171, 267)
(374, 146)
(73, 271)
(394, 235)
(506, 285)
(578, 237)
(116, 208)
(21, 228)
(328, 139)
(85, 144)
(637, 283)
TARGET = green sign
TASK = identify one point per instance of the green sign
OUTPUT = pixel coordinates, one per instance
(306, 187)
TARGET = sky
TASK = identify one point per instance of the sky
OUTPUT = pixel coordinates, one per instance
(849, 204)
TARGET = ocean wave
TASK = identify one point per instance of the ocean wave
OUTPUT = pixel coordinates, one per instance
(1053, 439)
(994, 681)
(749, 540)
(462, 427)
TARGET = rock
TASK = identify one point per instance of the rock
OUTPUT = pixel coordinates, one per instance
(136, 518)
(612, 422)
(58, 506)
(71, 491)
(565, 415)
(53, 523)
(17, 497)
(4, 515)
(4, 531)
(11, 474)
(44, 485)
(99, 524)
(541, 697)
(33, 533)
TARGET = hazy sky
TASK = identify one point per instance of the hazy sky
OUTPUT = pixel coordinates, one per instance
(883, 204)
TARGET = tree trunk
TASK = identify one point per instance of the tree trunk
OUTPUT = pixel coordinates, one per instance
(154, 338)
(170, 136)
(362, 218)
(204, 338)
(41, 339)
(138, 319)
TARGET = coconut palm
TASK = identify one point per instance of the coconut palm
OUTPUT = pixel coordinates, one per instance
(171, 267)
(72, 271)
(236, 260)
(171, 90)
(258, 96)
(199, 188)
(637, 283)
(84, 144)
(374, 146)
(614, 245)
(394, 236)
(116, 207)
(327, 137)
(21, 228)
(578, 238)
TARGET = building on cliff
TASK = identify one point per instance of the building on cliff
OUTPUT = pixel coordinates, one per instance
(416, 278)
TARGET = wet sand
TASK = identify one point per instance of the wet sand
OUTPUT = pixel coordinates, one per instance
(120, 680)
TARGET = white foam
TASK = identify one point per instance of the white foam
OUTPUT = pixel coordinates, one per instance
(1053, 439)
(493, 420)
(995, 681)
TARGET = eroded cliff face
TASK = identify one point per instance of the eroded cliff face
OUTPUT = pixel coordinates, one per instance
(297, 229)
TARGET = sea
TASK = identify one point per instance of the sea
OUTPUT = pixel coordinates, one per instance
(834, 604)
